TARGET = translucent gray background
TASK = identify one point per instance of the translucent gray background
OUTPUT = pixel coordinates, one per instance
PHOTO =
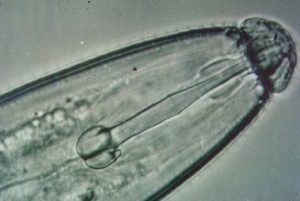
(39, 37)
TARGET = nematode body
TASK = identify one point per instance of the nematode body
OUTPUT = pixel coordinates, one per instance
(101, 131)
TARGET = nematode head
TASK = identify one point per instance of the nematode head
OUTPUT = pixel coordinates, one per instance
(271, 50)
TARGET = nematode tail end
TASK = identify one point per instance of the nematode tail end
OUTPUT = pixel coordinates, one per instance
(271, 50)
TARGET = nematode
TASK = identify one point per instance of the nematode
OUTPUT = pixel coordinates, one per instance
(102, 131)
